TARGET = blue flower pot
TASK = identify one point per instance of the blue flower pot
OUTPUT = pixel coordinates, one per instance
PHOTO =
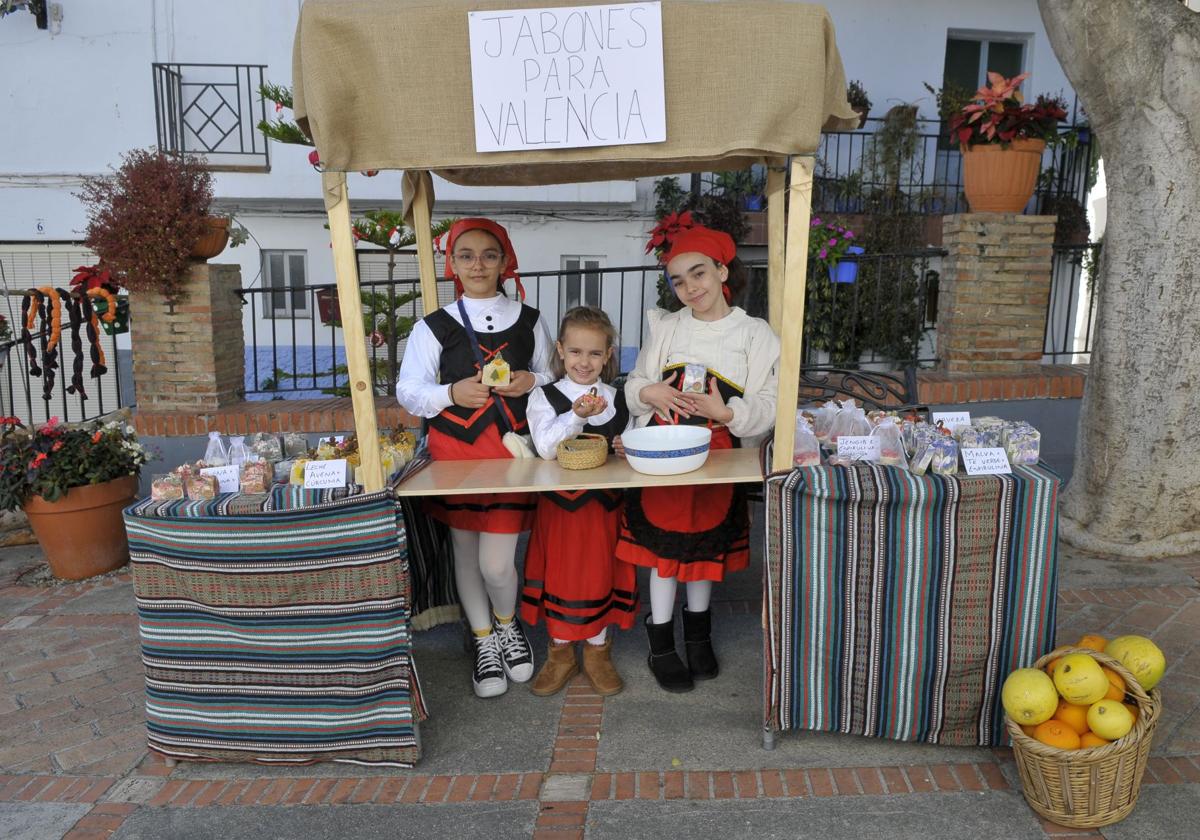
(846, 271)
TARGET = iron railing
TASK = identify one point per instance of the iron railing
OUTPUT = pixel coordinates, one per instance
(883, 319)
(212, 110)
(22, 396)
(1071, 312)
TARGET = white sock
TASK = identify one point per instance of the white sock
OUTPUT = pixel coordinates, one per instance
(599, 638)
(498, 571)
(471, 594)
(699, 593)
(662, 597)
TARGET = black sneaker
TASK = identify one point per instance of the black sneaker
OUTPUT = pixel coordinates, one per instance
(488, 677)
(515, 653)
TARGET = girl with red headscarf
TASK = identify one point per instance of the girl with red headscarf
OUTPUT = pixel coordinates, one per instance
(696, 534)
(441, 380)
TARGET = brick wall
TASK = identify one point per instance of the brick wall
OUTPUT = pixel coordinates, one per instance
(190, 358)
(993, 292)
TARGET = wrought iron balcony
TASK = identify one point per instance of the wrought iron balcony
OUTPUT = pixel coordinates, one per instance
(212, 110)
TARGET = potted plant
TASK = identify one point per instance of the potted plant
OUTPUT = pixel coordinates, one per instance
(72, 481)
(829, 244)
(856, 95)
(148, 219)
(1002, 140)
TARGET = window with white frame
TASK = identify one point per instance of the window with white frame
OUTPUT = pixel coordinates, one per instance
(285, 274)
(581, 286)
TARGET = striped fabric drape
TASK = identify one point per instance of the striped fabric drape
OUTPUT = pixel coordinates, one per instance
(896, 604)
(278, 636)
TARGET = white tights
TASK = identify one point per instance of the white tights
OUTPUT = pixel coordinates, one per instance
(485, 568)
(662, 596)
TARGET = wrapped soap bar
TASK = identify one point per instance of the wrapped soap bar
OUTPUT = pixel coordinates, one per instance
(166, 487)
(693, 379)
(971, 437)
(283, 472)
(850, 421)
(806, 451)
(256, 477)
(987, 422)
(944, 460)
(265, 447)
(496, 373)
(202, 487)
(891, 447)
(294, 445)
(823, 420)
(1024, 445)
(297, 476)
(921, 459)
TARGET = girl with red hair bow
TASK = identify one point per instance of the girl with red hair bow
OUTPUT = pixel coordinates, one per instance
(696, 534)
(441, 380)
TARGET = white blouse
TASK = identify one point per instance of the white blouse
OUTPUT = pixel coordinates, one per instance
(418, 388)
(549, 428)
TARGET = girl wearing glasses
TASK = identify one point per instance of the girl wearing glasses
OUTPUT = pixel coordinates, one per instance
(441, 379)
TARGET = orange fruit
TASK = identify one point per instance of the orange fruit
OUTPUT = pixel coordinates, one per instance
(1092, 642)
(1057, 734)
(1028, 730)
(1072, 716)
(1049, 669)
(1116, 685)
(1134, 709)
(1091, 739)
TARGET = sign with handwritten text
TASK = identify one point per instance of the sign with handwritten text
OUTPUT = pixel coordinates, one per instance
(321, 475)
(567, 77)
(986, 461)
(227, 477)
(951, 419)
(858, 447)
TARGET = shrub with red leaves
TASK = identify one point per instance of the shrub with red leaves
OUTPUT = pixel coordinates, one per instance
(998, 114)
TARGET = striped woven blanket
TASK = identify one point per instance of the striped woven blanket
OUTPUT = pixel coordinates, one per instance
(277, 636)
(897, 604)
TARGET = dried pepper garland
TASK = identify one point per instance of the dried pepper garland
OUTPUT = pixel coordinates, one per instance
(46, 304)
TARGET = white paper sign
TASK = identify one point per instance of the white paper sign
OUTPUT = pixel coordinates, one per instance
(320, 475)
(334, 439)
(858, 447)
(951, 419)
(988, 461)
(567, 77)
(228, 480)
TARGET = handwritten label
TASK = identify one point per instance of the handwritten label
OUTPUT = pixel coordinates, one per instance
(951, 419)
(858, 447)
(567, 77)
(989, 461)
(227, 477)
(322, 475)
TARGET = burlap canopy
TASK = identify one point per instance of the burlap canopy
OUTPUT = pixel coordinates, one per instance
(386, 84)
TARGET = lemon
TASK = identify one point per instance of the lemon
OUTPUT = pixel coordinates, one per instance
(1109, 719)
(1141, 656)
(1079, 679)
(1029, 697)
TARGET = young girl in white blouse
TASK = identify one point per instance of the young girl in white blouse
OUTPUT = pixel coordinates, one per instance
(572, 577)
(441, 379)
(696, 534)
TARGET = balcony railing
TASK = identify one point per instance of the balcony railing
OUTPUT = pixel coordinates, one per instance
(212, 110)
(1071, 313)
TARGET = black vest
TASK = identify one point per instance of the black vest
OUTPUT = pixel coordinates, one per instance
(725, 388)
(515, 344)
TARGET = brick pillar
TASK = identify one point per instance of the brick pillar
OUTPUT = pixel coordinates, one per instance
(993, 292)
(192, 359)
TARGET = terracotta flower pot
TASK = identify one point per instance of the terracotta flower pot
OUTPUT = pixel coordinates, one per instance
(999, 180)
(214, 238)
(83, 533)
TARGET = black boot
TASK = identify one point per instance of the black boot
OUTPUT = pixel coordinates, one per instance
(664, 661)
(697, 640)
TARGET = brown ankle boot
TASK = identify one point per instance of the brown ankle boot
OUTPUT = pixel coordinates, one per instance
(556, 671)
(599, 669)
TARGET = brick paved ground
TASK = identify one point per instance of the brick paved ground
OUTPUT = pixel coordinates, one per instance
(71, 736)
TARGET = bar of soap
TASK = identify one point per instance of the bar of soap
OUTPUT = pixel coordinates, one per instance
(496, 373)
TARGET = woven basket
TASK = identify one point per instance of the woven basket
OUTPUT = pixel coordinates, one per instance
(584, 452)
(1088, 788)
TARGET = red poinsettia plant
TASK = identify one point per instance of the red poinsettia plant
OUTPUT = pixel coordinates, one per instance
(666, 230)
(998, 114)
(88, 277)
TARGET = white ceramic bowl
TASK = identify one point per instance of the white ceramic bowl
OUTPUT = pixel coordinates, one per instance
(667, 450)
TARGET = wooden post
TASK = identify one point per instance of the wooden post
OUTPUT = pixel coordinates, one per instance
(422, 216)
(792, 334)
(345, 270)
(776, 213)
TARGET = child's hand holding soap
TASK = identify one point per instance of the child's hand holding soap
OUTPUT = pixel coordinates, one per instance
(497, 373)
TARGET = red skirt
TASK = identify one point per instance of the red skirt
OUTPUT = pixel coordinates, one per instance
(572, 578)
(700, 532)
(495, 513)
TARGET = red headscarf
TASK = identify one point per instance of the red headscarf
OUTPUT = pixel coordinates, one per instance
(487, 225)
(714, 244)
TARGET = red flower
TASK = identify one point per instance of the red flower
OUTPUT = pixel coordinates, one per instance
(92, 277)
(37, 461)
(672, 225)
(96, 437)
(58, 444)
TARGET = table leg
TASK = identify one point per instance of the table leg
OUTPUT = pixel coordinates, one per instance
(768, 737)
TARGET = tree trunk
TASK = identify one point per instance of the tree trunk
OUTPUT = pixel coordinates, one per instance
(1136, 67)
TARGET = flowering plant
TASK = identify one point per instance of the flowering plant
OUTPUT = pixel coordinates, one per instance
(50, 460)
(998, 114)
(671, 226)
(828, 242)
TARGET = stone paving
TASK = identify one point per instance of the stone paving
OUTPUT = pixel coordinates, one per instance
(73, 761)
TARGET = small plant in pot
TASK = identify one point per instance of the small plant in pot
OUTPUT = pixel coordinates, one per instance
(150, 218)
(72, 481)
(1002, 140)
(856, 95)
(828, 245)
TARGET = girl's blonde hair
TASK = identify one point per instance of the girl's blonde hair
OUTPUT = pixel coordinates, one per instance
(590, 318)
